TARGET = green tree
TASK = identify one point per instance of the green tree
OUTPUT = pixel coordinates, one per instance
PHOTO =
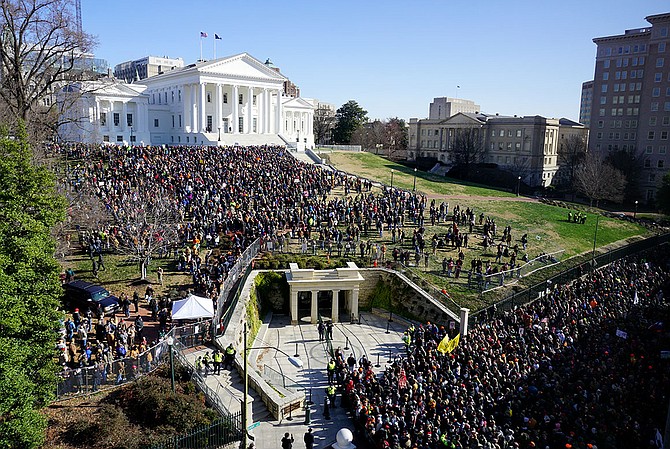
(663, 195)
(29, 291)
(348, 118)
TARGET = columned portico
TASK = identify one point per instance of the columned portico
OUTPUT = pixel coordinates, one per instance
(314, 281)
(278, 114)
(235, 104)
(201, 106)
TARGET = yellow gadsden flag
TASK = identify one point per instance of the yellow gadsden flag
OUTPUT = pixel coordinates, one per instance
(447, 345)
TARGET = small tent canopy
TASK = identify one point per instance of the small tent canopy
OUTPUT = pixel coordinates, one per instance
(192, 308)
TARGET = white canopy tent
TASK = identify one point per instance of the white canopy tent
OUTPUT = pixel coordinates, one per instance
(192, 308)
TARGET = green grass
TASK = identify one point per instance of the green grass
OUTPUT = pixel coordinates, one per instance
(546, 225)
(375, 167)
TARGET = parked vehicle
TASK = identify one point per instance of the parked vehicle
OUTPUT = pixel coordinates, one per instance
(84, 295)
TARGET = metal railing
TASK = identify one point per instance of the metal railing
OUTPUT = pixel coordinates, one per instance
(106, 374)
(221, 432)
(488, 282)
(240, 269)
(568, 275)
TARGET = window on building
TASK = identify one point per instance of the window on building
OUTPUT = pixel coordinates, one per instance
(155, 123)
(517, 146)
(165, 95)
(664, 135)
(509, 146)
(652, 121)
(662, 149)
(666, 106)
(209, 97)
(661, 47)
(599, 135)
(647, 163)
(105, 138)
(502, 133)
(180, 120)
(650, 135)
(603, 100)
(518, 133)
(658, 77)
(116, 119)
(436, 132)
(654, 106)
(253, 100)
(119, 138)
(179, 95)
(606, 64)
(103, 120)
(172, 96)
(660, 62)
(240, 99)
(601, 112)
(603, 88)
(661, 163)
(225, 98)
(133, 139)
(209, 124)
(656, 91)
(240, 123)
(601, 124)
(129, 119)
(606, 76)
(666, 120)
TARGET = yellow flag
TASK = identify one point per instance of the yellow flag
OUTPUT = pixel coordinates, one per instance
(442, 347)
(447, 345)
(453, 343)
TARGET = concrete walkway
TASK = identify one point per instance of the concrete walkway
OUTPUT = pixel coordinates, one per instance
(369, 338)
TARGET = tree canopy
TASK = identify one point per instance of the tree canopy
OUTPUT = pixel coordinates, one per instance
(29, 292)
(663, 195)
(348, 118)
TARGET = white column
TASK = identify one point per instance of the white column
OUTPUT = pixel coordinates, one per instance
(248, 119)
(219, 118)
(465, 315)
(194, 110)
(314, 316)
(335, 307)
(354, 303)
(278, 115)
(184, 110)
(267, 110)
(124, 116)
(201, 106)
(294, 307)
(235, 105)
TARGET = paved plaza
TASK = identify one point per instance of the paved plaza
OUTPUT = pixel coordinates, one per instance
(369, 338)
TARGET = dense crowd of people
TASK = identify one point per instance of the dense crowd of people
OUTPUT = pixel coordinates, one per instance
(579, 368)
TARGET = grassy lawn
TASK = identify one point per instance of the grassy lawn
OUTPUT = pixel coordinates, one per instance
(547, 226)
(375, 167)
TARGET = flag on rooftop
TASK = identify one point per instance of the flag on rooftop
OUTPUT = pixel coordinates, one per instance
(216, 36)
(203, 34)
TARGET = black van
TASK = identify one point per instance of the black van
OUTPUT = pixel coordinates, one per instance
(84, 295)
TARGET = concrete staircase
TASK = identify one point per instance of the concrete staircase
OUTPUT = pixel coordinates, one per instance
(242, 139)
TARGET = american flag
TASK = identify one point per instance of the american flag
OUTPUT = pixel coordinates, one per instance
(402, 380)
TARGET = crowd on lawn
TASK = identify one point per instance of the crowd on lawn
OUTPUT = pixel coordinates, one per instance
(579, 368)
(220, 199)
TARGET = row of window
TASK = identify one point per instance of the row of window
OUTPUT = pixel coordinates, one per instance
(133, 139)
(621, 87)
(624, 75)
(619, 99)
(665, 121)
(658, 77)
(651, 135)
(116, 118)
(617, 136)
(619, 111)
(625, 49)
(659, 164)
(649, 149)
(164, 98)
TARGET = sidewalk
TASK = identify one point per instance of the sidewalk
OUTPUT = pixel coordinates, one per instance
(368, 338)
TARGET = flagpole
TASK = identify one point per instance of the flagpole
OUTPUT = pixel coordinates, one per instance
(215, 46)
(200, 47)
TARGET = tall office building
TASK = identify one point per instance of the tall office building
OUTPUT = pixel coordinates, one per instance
(630, 109)
(585, 104)
(445, 107)
(139, 69)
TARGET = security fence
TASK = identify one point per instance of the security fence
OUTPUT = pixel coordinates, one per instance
(531, 294)
(242, 267)
(106, 373)
(221, 432)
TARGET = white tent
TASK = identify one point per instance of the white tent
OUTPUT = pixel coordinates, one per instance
(193, 307)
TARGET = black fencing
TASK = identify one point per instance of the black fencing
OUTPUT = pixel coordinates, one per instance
(531, 294)
(223, 431)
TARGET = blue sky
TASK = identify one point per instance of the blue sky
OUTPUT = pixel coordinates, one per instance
(521, 57)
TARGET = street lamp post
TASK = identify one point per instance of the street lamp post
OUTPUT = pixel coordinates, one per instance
(219, 134)
(635, 213)
(518, 185)
(294, 361)
(391, 179)
(170, 342)
(414, 188)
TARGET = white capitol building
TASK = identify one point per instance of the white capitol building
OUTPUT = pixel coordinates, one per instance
(230, 100)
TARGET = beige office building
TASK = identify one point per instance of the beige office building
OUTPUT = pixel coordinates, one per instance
(526, 146)
(631, 98)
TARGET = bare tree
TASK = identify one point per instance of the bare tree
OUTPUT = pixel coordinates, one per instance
(145, 229)
(370, 135)
(39, 50)
(571, 152)
(396, 138)
(599, 180)
(324, 122)
(467, 148)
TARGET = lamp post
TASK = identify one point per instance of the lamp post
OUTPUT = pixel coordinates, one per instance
(219, 134)
(294, 361)
(518, 185)
(391, 179)
(170, 342)
(131, 136)
(635, 213)
(414, 188)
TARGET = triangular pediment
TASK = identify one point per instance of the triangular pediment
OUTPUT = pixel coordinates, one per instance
(297, 103)
(462, 119)
(240, 66)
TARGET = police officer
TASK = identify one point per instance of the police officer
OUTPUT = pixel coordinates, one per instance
(331, 371)
(218, 359)
(205, 361)
(230, 357)
(330, 391)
